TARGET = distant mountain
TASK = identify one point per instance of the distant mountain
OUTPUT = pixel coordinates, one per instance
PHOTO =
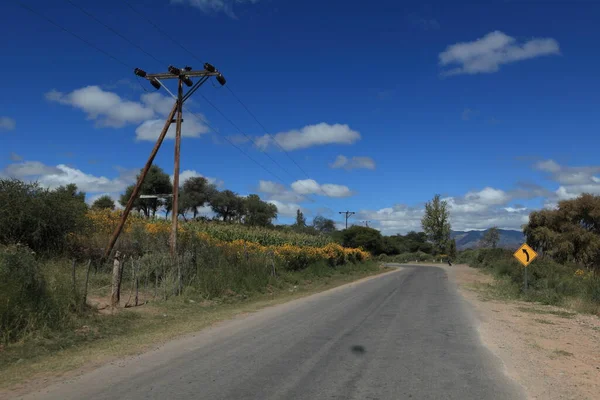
(470, 239)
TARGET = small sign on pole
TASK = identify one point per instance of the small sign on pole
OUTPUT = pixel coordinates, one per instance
(525, 255)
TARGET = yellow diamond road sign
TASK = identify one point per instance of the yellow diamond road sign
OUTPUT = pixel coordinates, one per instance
(525, 254)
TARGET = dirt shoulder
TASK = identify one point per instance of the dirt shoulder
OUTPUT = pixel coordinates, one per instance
(155, 327)
(553, 353)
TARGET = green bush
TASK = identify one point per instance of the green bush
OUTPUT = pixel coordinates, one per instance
(24, 301)
(40, 218)
(549, 282)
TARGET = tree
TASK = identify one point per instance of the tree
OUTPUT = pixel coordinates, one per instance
(323, 225)
(359, 236)
(258, 212)
(228, 205)
(491, 237)
(104, 202)
(197, 191)
(570, 233)
(300, 220)
(436, 223)
(157, 182)
(452, 249)
(40, 218)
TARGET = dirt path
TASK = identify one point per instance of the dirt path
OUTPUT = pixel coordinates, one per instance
(554, 353)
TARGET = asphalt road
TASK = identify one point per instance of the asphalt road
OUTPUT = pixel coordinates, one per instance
(403, 335)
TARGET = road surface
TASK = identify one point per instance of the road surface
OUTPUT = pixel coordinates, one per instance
(407, 334)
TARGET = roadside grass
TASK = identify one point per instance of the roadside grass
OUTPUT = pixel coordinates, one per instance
(550, 283)
(101, 338)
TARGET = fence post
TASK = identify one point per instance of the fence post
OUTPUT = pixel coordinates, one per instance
(116, 280)
(74, 281)
(137, 283)
(87, 279)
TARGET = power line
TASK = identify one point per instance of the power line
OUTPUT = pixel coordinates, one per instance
(160, 30)
(130, 67)
(25, 6)
(252, 140)
(200, 117)
(236, 97)
(267, 132)
(89, 14)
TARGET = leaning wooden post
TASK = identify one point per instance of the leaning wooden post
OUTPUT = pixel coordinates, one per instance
(116, 280)
(138, 185)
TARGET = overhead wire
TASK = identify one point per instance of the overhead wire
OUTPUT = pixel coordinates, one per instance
(89, 14)
(266, 131)
(51, 21)
(90, 44)
(163, 32)
(160, 30)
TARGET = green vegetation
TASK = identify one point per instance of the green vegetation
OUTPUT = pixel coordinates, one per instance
(48, 238)
(77, 336)
(104, 203)
(491, 237)
(550, 282)
(436, 224)
(570, 233)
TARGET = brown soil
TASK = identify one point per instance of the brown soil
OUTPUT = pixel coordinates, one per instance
(552, 352)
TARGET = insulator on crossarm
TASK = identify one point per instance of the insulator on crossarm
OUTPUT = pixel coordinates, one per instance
(209, 67)
(155, 83)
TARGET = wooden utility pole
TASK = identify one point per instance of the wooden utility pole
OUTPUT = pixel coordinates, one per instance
(175, 211)
(184, 75)
(347, 214)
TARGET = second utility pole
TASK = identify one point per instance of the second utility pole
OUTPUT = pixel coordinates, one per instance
(175, 211)
(348, 214)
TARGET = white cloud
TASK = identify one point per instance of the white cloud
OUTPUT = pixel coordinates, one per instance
(61, 175)
(570, 175)
(30, 169)
(573, 181)
(467, 114)
(107, 108)
(214, 6)
(487, 54)
(353, 163)
(286, 209)
(7, 124)
(309, 136)
(15, 157)
(278, 192)
(310, 186)
(190, 127)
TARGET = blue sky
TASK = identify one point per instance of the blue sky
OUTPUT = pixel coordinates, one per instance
(494, 105)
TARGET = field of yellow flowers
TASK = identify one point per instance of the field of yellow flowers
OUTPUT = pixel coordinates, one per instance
(295, 249)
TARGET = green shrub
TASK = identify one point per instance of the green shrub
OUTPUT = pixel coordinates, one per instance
(24, 302)
(40, 218)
